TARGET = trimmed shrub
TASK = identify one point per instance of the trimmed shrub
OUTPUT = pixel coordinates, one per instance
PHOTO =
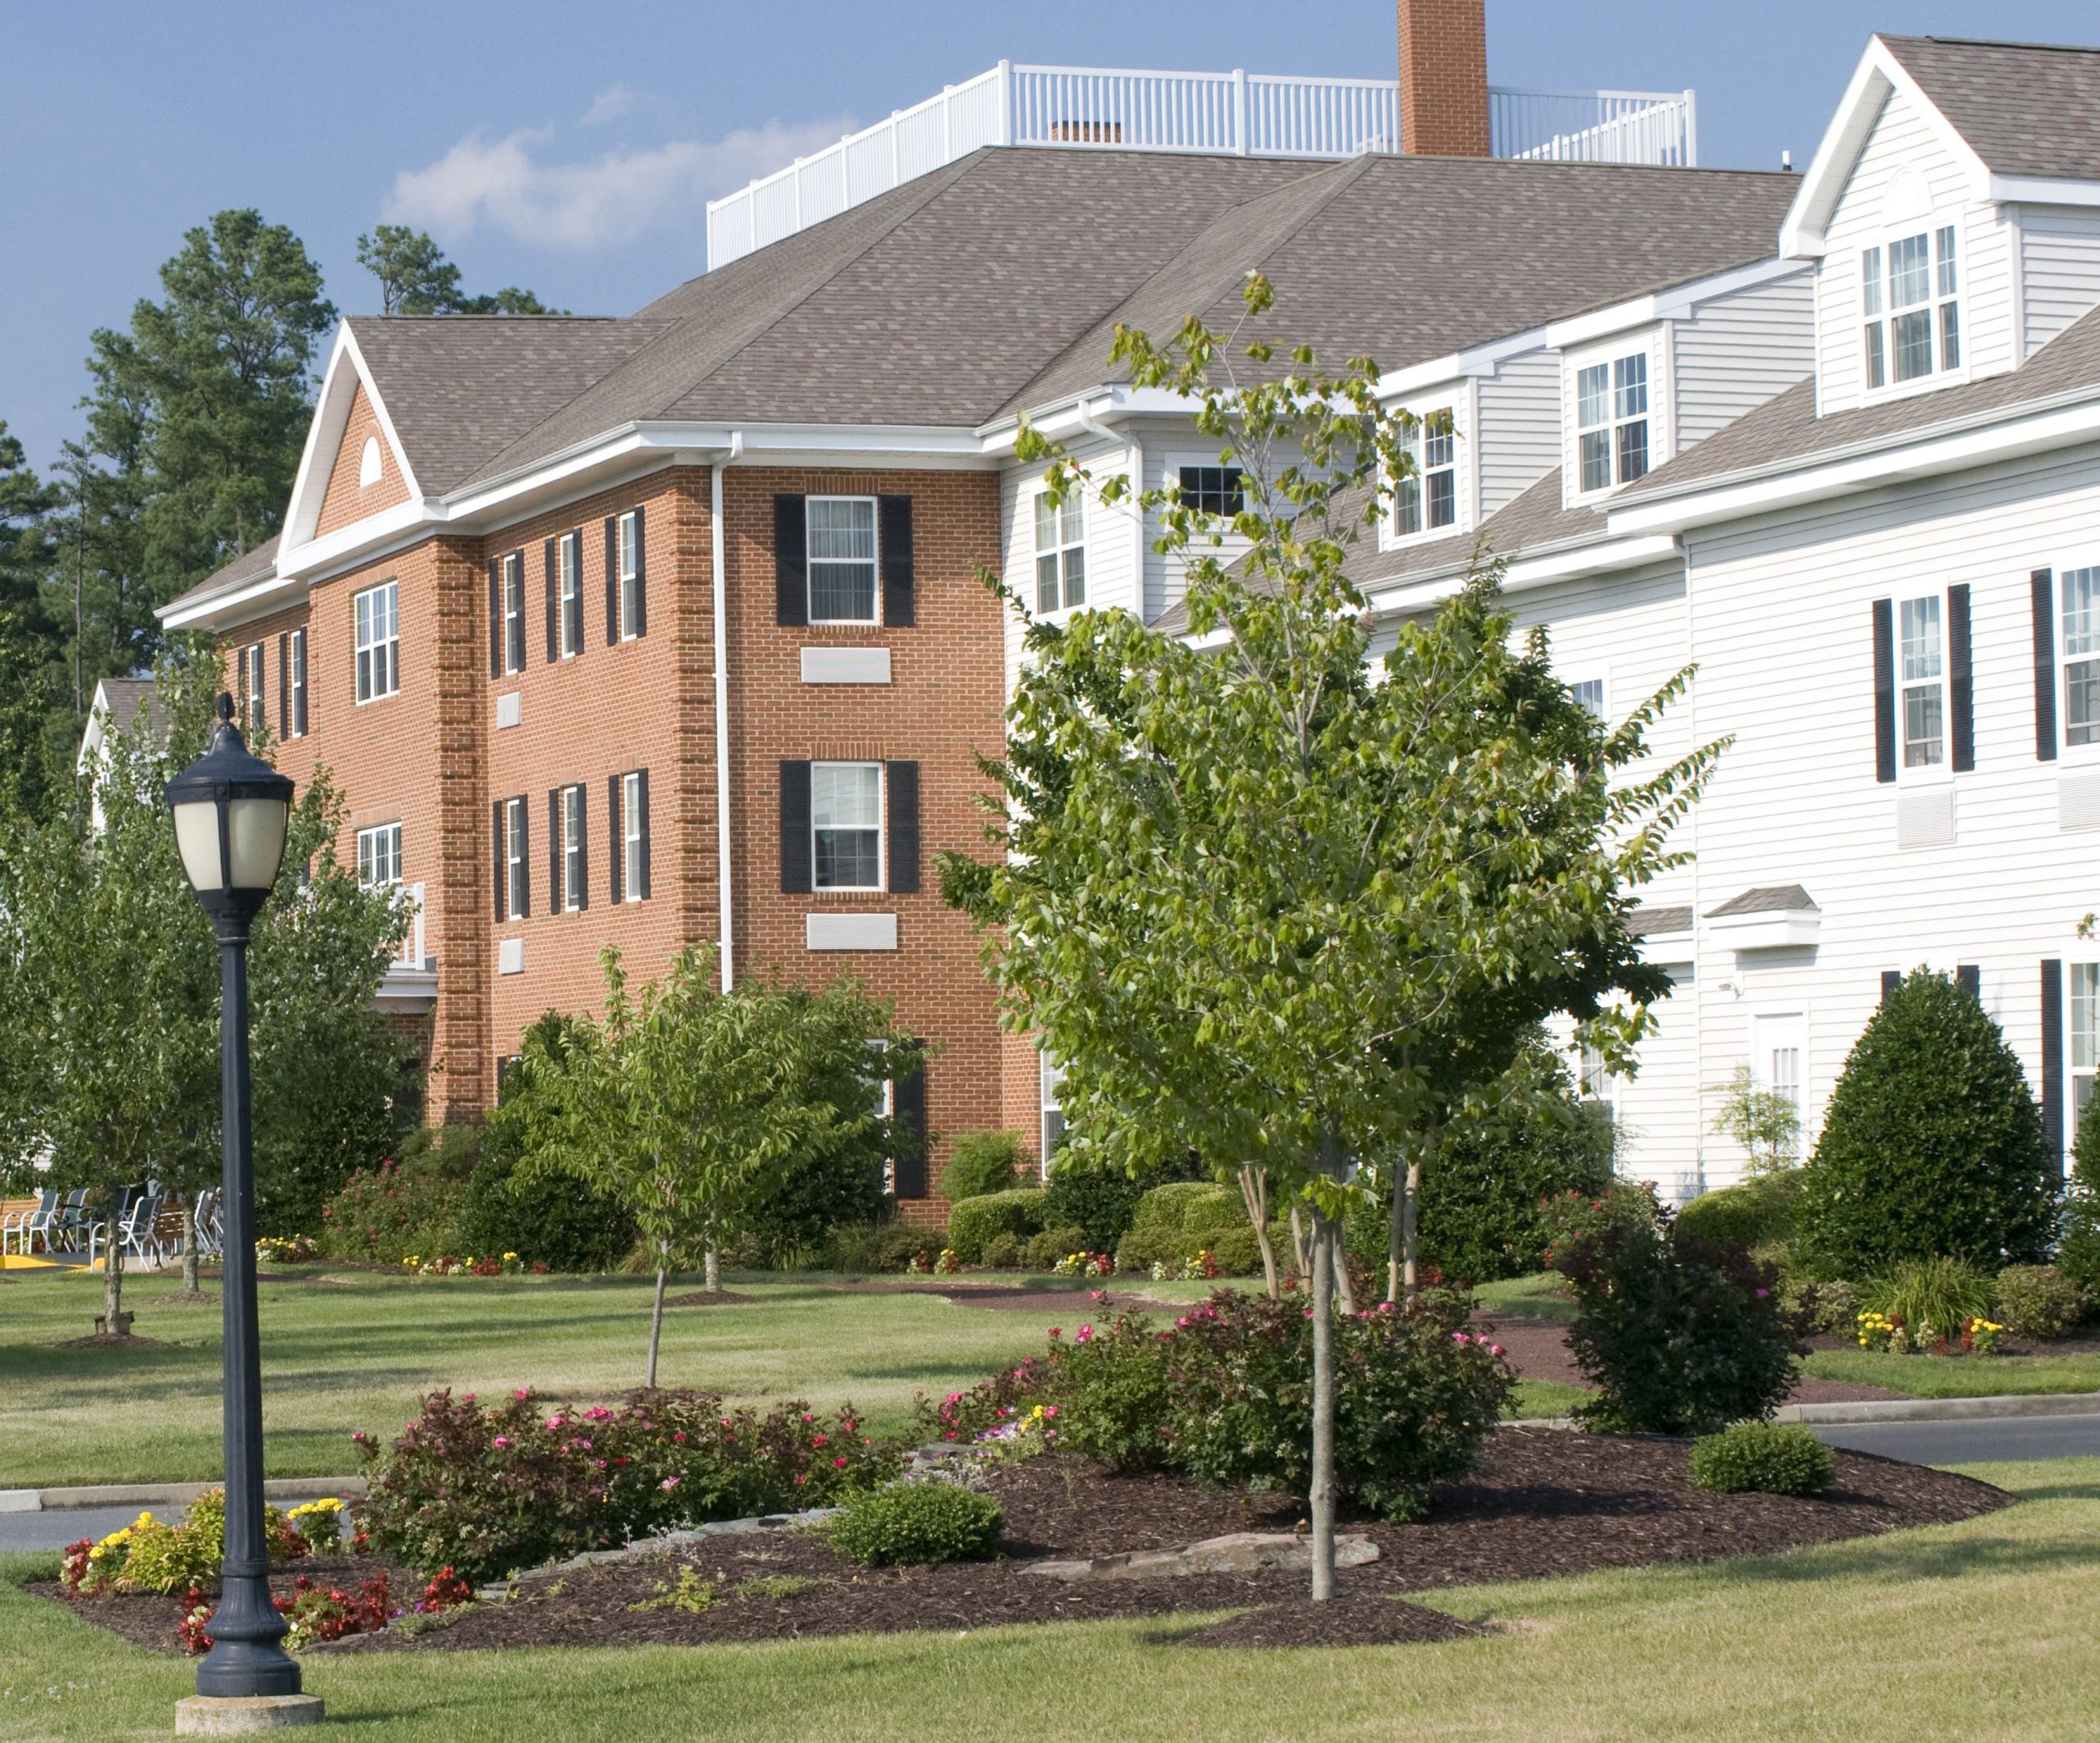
(544, 1218)
(1756, 1214)
(1176, 1221)
(982, 1163)
(878, 1246)
(1831, 1306)
(382, 1214)
(1933, 1299)
(489, 1490)
(2039, 1301)
(1932, 1144)
(1770, 1457)
(2077, 1250)
(796, 1203)
(916, 1523)
(1002, 1253)
(1679, 1334)
(975, 1220)
(1103, 1201)
(1040, 1251)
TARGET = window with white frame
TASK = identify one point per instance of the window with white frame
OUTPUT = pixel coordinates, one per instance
(1611, 416)
(2081, 656)
(634, 838)
(1428, 499)
(517, 874)
(1594, 1081)
(1054, 1108)
(295, 679)
(2085, 1036)
(1911, 312)
(1588, 692)
(573, 870)
(1212, 490)
(842, 555)
(846, 825)
(251, 688)
(513, 612)
(1921, 683)
(379, 855)
(568, 591)
(630, 576)
(377, 613)
(1060, 552)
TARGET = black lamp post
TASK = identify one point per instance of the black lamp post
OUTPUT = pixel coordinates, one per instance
(230, 809)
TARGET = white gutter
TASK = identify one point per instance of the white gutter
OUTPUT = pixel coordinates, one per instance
(718, 567)
(1569, 563)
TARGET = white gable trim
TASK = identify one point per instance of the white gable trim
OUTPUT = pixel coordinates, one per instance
(346, 372)
(1476, 360)
(1878, 76)
(1680, 302)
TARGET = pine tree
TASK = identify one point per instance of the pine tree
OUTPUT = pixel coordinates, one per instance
(1932, 1146)
(416, 279)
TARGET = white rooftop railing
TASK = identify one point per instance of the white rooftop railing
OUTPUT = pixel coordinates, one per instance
(1233, 114)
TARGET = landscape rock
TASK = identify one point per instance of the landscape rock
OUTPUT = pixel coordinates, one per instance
(1238, 1552)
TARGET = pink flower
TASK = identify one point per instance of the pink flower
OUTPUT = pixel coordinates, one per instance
(1183, 1321)
(1494, 1349)
(1762, 1293)
(555, 1421)
(522, 1392)
(837, 1464)
(597, 1413)
(669, 1484)
(1086, 1333)
(1056, 1331)
(500, 1441)
(466, 1398)
(1097, 1294)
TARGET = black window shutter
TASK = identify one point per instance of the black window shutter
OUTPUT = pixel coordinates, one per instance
(643, 892)
(581, 800)
(790, 560)
(1885, 689)
(908, 1108)
(502, 865)
(796, 872)
(553, 632)
(902, 813)
(2052, 1058)
(554, 894)
(894, 520)
(2043, 583)
(616, 832)
(1970, 978)
(641, 576)
(284, 687)
(1962, 662)
(1891, 978)
(496, 616)
(612, 579)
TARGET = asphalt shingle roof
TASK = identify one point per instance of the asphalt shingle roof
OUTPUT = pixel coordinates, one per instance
(1771, 898)
(2026, 108)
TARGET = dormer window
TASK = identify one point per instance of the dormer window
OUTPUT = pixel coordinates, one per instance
(1427, 500)
(1908, 297)
(1611, 403)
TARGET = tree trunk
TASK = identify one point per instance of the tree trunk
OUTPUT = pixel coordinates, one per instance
(112, 1272)
(189, 1245)
(713, 1268)
(1344, 1290)
(1322, 1496)
(656, 1314)
(1402, 1282)
(1254, 1189)
(1297, 1245)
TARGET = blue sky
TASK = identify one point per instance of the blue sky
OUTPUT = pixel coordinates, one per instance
(571, 149)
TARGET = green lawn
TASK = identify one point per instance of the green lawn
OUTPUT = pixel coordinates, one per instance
(1956, 1376)
(1981, 1630)
(358, 1353)
(1542, 1295)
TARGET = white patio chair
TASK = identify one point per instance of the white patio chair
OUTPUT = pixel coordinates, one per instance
(23, 1228)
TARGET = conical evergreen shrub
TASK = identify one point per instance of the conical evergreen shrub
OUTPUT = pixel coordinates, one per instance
(2079, 1255)
(1932, 1146)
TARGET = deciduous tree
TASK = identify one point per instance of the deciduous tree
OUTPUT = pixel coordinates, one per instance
(416, 279)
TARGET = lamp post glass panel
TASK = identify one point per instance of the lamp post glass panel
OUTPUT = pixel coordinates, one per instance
(230, 809)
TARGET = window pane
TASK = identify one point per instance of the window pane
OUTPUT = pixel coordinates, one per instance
(1439, 440)
(1920, 638)
(1590, 694)
(1443, 498)
(1876, 356)
(1046, 523)
(1921, 727)
(1950, 335)
(2081, 645)
(845, 795)
(1046, 582)
(841, 537)
(1632, 450)
(2084, 1015)
(1592, 395)
(1074, 562)
(1910, 271)
(843, 592)
(1911, 336)
(1407, 504)
(1945, 239)
(1870, 280)
(1071, 519)
(1211, 490)
(1596, 459)
(1630, 389)
(2082, 702)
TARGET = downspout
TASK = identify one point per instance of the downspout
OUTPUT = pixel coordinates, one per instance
(722, 831)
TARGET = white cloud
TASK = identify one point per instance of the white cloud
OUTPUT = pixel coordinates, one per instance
(610, 104)
(613, 198)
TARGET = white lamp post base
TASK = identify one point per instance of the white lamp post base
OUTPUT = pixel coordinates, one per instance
(235, 1716)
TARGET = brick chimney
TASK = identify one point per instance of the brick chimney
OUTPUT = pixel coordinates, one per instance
(1443, 77)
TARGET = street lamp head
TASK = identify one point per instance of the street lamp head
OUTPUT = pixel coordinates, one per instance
(230, 809)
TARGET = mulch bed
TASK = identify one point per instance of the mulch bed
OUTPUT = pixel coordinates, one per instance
(705, 1298)
(1370, 1620)
(184, 1298)
(1544, 1502)
(113, 1340)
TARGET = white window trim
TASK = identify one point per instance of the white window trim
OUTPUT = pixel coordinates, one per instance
(882, 831)
(575, 852)
(631, 837)
(1459, 403)
(568, 591)
(516, 870)
(512, 573)
(1599, 675)
(1049, 1080)
(874, 620)
(2066, 751)
(252, 698)
(391, 831)
(1654, 345)
(296, 696)
(2073, 1072)
(392, 643)
(1928, 774)
(624, 532)
(1933, 223)
(1031, 500)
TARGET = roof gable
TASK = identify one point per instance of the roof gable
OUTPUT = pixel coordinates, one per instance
(363, 478)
